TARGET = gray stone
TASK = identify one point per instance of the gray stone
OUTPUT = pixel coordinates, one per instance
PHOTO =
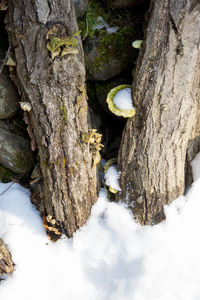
(4, 124)
(80, 7)
(126, 3)
(15, 152)
(6, 263)
(107, 55)
(8, 96)
(98, 67)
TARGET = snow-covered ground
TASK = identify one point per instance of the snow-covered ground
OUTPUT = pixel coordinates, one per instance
(110, 258)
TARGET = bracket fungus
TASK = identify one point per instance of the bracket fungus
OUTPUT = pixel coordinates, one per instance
(59, 44)
(26, 106)
(137, 44)
(120, 102)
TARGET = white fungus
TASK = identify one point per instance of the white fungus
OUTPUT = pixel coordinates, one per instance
(111, 29)
(123, 99)
(137, 44)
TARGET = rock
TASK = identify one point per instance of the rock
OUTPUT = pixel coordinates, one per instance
(6, 263)
(7, 175)
(108, 54)
(4, 124)
(8, 96)
(15, 152)
(125, 3)
(80, 7)
(15, 124)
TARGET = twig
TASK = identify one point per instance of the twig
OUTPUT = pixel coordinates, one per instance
(7, 189)
(13, 181)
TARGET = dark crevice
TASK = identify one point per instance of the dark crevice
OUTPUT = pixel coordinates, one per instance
(179, 49)
(50, 7)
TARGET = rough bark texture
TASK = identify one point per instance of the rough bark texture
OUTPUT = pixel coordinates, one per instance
(56, 90)
(166, 94)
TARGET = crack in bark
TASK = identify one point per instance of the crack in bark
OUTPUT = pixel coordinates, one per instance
(179, 48)
(193, 4)
(50, 8)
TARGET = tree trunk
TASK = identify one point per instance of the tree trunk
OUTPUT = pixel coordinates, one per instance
(166, 94)
(53, 81)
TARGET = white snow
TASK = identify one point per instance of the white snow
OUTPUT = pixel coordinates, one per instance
(123, 99)
(111, 257)
(111, 29)
(111, 178)
(195, 164)
(101, 24)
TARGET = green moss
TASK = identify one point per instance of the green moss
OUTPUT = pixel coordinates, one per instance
(64, 111)
(6, 175)
(88, 21)
(23, 161)
(115, 45)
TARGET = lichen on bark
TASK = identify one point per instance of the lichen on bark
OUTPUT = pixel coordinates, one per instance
(52, 87)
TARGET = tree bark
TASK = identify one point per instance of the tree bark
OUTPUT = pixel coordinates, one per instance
(55, 88)
(166, 94)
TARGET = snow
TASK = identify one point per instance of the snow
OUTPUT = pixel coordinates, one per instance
(111, 178)
(123, 99)
(111, 29)
(111, 257)
(195, 169)
(101, 24)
